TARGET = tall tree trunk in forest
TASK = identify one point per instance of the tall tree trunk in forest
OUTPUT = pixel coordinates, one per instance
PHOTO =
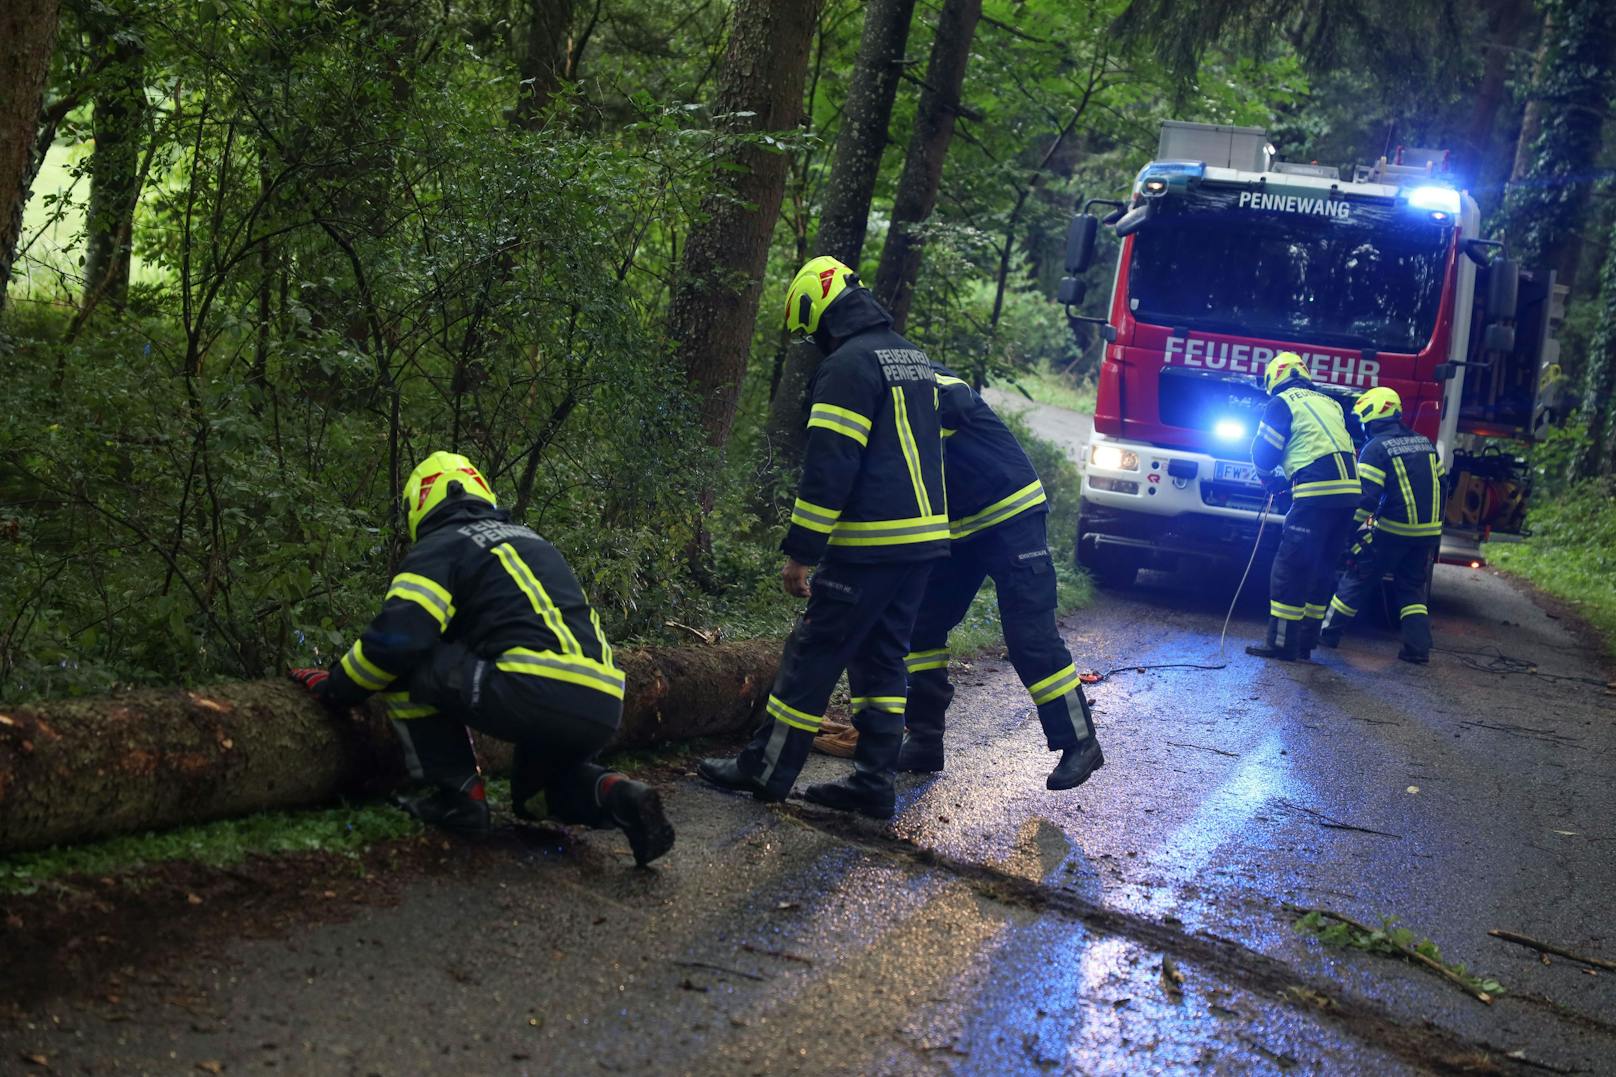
(923, 163)
(1571, 92)
(848, 192)
(544, 59)
(1508, 20)
(715, 301)
(1599, 381)
(27, 38)
(120, 111)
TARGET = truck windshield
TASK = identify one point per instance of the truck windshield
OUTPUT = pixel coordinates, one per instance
(1371, 279)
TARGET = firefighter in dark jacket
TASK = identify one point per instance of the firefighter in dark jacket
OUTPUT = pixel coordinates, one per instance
(1402, 492)
(997, 514)
(485, 626)
(1302, 446)
(870, 514)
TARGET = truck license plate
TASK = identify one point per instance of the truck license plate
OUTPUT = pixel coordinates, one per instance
(1224, 471)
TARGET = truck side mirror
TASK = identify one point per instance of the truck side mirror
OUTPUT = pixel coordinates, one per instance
(1072, 291)
(1503, 290)
(1133, 220)
(1445, 371)
(1080, 236)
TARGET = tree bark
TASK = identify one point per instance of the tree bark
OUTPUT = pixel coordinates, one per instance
(715, 302)
(27, 38)
(1483, 160)
(1560, 141)
(78, 769)
(544, 60)
(845, 217)
(923, 163)
(119, 113)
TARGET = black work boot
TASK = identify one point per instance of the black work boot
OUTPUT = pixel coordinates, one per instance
(464, 810)
(1330, 637)
(924, 716)
(1075, 766)
(871, 789)
(1283, 637)
(768, 765)
(1308, 637)
(1409, 654)
(727, 774)
(636, 808)
(1080, 760)
(920, 754)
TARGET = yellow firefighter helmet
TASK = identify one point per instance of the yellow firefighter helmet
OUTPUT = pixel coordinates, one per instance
(1283, 367)
(429, 483)
(1378, 403)
(816, 286)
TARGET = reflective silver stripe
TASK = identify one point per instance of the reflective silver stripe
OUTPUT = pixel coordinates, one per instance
(421, 595)
(892, 532)
(772, 750)
(1033, 495)
(539, 662)
(815, 515)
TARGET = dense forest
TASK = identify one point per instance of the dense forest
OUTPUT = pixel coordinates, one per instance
(257, 257)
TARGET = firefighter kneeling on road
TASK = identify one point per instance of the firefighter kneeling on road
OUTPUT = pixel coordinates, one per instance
(870, 506)
(997, 511)
(485, 626)
(1302, 445)
(1402, 491)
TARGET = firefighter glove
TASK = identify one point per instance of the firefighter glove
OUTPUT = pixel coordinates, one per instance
(311, 679)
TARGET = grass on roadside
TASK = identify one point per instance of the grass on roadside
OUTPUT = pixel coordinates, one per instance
(348, 830)
(1057, 390)
(1571, 553)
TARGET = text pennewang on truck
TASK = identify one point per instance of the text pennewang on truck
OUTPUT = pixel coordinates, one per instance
(1229, 257)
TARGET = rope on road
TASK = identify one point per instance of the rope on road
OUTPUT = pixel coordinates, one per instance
(1223, 637)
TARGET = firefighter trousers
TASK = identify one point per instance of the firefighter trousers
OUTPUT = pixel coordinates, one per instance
(858, 619)
(555, 743)
(1015, 554)
(1303, 575)
(1408, 562)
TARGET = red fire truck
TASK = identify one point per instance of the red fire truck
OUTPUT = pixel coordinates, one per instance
(1229, 256)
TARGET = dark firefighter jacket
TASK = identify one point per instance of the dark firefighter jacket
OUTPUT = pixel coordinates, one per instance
(1402, 481)
(476, 579)
(872, 474)
(1303, 433)
(986, 471)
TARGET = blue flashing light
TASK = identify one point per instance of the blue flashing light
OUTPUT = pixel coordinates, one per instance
(1229, 430)
(1435, 199)
(1170, 169)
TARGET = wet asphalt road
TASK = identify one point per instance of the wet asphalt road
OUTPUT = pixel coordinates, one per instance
(995, 927)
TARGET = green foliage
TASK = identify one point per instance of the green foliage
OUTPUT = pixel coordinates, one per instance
(1572, 86)
(1571, 553)
(347, 831)
(1390, 940)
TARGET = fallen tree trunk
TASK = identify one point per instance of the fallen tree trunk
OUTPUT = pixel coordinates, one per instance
(76, 769)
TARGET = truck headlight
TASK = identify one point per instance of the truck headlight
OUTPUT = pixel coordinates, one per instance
(1113, 458)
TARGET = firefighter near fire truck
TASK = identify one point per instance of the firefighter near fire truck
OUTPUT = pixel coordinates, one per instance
(1302, 450)
(997, 520)
(1401, 512)
(871, 515)
(485, 626)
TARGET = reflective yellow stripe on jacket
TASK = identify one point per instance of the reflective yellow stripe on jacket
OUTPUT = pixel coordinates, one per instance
(572, 668)
(841, 421)
(890, 532)
(997, 513)
(362, 671)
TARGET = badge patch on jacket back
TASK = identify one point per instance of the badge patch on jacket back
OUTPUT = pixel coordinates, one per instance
(901, 365)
